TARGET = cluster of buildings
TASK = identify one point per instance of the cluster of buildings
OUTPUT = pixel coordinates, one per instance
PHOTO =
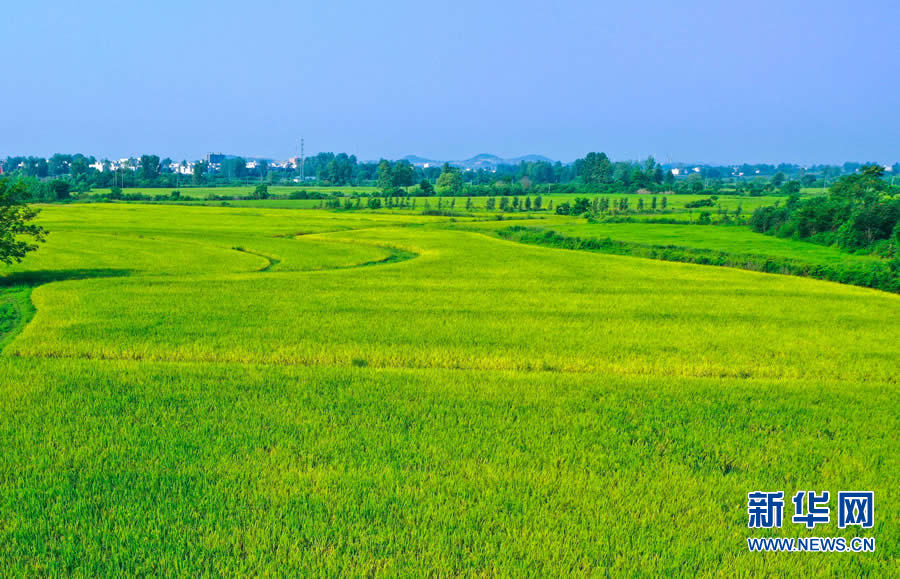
(684, 171)
(131, 164)
(214, 163)
(215, 160)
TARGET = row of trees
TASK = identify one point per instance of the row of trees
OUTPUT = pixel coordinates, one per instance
(860, 212)
(600, 205)
(594, 173)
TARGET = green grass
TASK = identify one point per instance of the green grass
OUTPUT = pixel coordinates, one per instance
(15, 311)
(719, 238)
(399, 395)
(675, 203)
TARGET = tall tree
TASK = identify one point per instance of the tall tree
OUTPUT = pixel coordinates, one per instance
(450, 181)
(385, 177)
(595, 168)
(149, 167)
(234, 168)
(15, 216)
(403, 174)
(59, 164)
(426, 187)
(198, 172)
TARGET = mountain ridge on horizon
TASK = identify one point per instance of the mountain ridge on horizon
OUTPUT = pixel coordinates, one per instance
(479, 161)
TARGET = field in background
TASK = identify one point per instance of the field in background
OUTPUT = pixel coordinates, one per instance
(251, 389)
(246, 191)
(731, 239)
(281, 199)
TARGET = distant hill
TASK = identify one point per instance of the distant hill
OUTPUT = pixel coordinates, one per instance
(533, 159)
(485, 161)
(420, 161)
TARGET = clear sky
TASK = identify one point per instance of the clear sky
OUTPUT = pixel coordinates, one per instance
(712, 81)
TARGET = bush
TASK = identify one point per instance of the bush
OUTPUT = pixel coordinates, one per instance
(261, 191)
(700, 203)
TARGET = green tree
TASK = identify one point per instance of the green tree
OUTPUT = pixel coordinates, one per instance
(60, 189)
(338, 170)
(79, 165)
(234, 168)
(15, 216)
(581, 206)
(450, 181)
(426, 187)
(261, 191)
(791, 188)
(403, 174)
(150, 167)
(594, 169)
(385, 177)
(198, 172)
(58, 164)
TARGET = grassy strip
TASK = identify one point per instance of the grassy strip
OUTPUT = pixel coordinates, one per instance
(272, 260)
(16, 310)
(879, 275)
(396, 256)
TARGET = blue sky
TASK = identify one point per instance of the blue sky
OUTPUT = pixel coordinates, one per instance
(709, 81)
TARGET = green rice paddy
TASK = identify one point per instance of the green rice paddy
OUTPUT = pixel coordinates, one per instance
(243, 390)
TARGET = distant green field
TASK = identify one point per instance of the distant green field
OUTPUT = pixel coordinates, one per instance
(200, 390)
(674, 202)
(204, 192)
(730, 239)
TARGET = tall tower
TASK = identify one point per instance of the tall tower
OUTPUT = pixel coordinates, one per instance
(302, 160)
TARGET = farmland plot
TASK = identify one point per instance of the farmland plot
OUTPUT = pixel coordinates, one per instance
(248, 390)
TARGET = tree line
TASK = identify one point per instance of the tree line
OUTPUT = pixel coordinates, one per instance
(62, 176)
(860, 212)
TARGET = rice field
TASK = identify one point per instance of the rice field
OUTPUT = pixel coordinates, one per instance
(675, 204)
(212, 390)
(719, 238)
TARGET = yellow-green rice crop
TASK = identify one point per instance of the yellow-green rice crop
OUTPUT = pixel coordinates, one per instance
(251, 390)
